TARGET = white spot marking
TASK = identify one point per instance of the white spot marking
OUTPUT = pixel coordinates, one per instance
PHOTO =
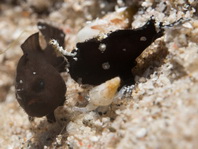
(143, 38)
(21, 81)
(75, 58)
(19, 89)
(102, 47)
(34, 73)
(41, 27)
(105, 65)
(67, 70)
(124, 50)
(62, 35)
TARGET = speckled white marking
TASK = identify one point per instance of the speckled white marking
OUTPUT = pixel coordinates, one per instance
(59, 48)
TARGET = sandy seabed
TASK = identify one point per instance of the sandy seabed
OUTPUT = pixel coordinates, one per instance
(162, 112)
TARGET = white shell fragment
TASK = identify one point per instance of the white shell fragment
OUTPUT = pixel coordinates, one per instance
(101, 95)
(111, 22)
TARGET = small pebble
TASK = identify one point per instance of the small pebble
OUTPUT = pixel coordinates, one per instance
(141, 133)
(94, 138)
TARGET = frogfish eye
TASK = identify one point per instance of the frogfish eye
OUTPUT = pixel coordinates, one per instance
(38, 85)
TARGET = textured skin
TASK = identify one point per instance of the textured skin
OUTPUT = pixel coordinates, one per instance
(122, 48)
(39, 87)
